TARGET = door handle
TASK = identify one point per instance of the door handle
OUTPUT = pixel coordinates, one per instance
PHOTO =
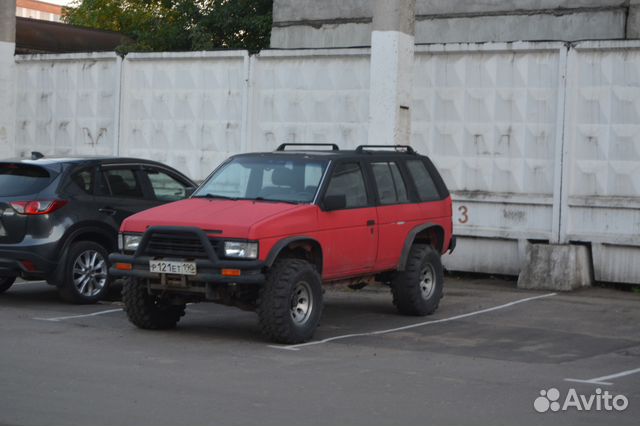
(107, 210)
(371, 222)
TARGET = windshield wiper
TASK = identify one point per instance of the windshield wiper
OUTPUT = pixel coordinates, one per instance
(214, 196)
(273, 200)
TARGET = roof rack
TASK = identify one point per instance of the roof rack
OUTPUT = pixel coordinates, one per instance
(333, 146)
(400, 148)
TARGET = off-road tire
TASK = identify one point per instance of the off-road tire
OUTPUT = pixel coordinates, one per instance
(407, 286)
(149, 311)
(67, 289)
(6, 283)
(275, 303)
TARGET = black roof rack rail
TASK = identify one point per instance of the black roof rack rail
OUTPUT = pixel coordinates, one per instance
(333, 146)
(399, 148)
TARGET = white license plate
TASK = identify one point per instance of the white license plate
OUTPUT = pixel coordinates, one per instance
(172, 267)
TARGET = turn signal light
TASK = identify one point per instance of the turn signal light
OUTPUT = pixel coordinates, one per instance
(124, 266)
(231, 272)
(34, 208)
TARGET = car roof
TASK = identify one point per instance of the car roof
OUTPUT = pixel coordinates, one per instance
(334, 155)
(59, 162)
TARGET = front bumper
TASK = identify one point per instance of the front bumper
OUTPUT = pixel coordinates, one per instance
(209, 269)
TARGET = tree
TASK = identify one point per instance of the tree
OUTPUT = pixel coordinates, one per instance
(178, 25)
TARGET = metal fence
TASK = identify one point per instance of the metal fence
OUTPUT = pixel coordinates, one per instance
(537, 141)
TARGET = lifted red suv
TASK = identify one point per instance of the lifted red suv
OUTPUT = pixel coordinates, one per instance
(265, 230)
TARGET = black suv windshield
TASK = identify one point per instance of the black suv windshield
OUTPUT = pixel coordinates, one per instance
(266, 178)
(22, 179)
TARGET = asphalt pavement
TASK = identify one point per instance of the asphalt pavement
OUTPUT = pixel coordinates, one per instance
(485, 357)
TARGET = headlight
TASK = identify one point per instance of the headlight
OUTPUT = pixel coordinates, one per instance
(131, 242)
(241, 250)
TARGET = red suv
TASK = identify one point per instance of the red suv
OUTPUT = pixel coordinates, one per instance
(265, 230)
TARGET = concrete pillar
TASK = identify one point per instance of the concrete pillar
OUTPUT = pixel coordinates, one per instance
(561, 267)
(633, 20)
(7, 77)
(392, 49)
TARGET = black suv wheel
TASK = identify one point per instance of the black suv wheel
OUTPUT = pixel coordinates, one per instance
(418, 289)
(290, 303)
(149, 311)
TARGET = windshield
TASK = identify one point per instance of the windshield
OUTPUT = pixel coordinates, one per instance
(22, 179)
(266, 178)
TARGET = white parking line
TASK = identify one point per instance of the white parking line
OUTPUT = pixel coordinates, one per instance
(603, 380)
(29, 282)
(55, 319)
(407, 327)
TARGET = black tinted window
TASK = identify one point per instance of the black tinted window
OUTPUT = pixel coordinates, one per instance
(123, 183)
(83, 181)
(22, 179)
(427, 190)
(391, 186)
(347, 179)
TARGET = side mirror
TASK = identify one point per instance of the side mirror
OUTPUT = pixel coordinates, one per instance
(188, 192)
(334, 202)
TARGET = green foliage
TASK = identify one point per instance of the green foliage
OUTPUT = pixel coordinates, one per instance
(178, 25)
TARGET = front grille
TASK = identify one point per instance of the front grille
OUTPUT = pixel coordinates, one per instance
(176, 245)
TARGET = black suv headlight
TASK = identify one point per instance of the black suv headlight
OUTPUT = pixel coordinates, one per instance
(241, 249)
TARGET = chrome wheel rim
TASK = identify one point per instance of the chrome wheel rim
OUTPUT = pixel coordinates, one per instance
(301, 303)
(89, 273)
(427, 281)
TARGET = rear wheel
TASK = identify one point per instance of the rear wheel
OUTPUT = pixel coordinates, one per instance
(418, 289)
(6, 283)
(290, 303)
(85, 275)
(149, 311)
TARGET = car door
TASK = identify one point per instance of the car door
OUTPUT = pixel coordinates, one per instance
(398, 211)
(165, 187)
(120, 192)
(348, 234)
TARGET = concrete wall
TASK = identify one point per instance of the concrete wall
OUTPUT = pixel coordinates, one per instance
(347, 23)
(537, 141)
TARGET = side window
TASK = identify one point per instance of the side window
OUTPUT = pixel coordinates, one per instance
(348, 180)
(391, 187)
(82, 182)
(427, 190)
(165, 187)
(123, 183)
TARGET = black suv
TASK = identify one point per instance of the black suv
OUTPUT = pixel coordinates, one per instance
(59, 217)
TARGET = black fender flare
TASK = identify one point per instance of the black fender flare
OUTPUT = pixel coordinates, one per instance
(409, 242)
(282, 244)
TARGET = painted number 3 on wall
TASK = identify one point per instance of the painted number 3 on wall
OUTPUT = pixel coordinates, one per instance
(464, 214)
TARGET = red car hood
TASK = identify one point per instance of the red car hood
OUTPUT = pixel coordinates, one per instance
(233, 218)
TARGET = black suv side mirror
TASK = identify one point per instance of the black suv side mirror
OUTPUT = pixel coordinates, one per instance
(334, 202)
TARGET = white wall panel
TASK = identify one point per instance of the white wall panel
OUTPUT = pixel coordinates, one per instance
(184, 109)
(67, 104)
(602, 167)
(488, 117)
(309, 96)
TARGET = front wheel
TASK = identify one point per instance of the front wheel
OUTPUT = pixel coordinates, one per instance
(6, 283)
(290, 303)
(418, 289)
(85, 275)
(147, 310)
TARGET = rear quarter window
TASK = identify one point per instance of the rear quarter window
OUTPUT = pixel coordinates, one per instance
(424, 183)
(22, 179)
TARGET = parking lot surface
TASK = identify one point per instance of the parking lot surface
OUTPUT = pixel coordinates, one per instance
(483, 358)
